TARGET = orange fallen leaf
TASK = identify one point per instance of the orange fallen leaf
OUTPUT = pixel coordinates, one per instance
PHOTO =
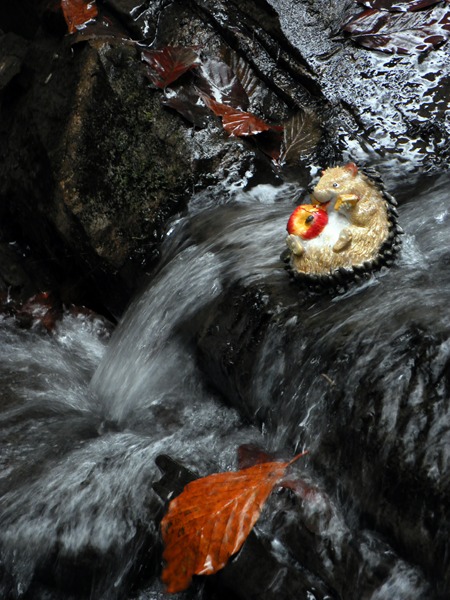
(77, 13)
(211, 519)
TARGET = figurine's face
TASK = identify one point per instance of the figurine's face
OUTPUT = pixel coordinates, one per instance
(307, 221)
(334, 181)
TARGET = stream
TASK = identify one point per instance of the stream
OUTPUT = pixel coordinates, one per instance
(83, 417)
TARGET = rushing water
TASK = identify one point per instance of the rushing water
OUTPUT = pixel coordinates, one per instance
(83, 418)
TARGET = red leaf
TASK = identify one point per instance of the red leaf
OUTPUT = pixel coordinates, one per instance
(237, 122)
(211, 519)
(398, 5)
(77, 13)
(240, 123)
(400, 32)
(105, 26)
(219, 109)
(166, 65)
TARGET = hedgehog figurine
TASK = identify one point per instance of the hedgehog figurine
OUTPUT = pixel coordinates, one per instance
(349, 229)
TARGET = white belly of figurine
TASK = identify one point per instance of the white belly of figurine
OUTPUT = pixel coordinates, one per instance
(330, 234)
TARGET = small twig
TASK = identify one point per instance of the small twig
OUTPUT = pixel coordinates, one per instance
(330, 381)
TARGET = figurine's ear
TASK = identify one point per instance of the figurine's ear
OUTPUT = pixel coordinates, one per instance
(352, 168)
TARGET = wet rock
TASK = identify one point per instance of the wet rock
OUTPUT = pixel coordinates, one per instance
(351, 77)
(93, 166)
(13, 49)
(12, 275)
(22, 19)
(300, 46)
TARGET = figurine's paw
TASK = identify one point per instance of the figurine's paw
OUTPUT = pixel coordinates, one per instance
(343, 241)
(346, 201)
(295, 245)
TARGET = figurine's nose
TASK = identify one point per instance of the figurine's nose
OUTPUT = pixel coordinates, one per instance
(322, 195)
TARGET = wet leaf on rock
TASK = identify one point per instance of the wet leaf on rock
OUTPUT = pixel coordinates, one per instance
(166, 65)
(238, 122)
(105, 26)
(211, 519)
(398, 5)
(245, 74)
(217, 80)
(301, 136)
(241, 123)
(400, 32)
(186, 101)
(43, 309)
(78, 13)
(218, 108)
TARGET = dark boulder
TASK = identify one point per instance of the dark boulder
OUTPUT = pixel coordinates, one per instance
(92, 167)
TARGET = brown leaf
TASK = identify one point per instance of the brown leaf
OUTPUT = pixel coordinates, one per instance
(166, 65)
(78, 12)
(400, 32)
(244, 73)
(301, 136)
(241, 123)
(210, 520)
(269, 142)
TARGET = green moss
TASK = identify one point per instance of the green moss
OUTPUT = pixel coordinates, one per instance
(134, 164)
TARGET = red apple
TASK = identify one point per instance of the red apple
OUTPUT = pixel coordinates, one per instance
(307, 221)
